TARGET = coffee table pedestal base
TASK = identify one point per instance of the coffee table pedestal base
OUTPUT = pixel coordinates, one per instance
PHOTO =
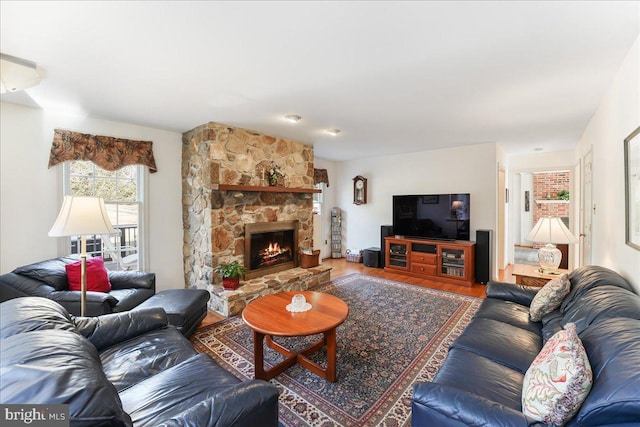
(293, 357)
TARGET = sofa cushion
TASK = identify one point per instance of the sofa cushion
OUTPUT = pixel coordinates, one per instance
(130, 298)
(59, 367)
(558, 380)
(600, 303)
(97, 276)
(175, 390)
(51, 271)
(613, 346)
(479, 375)
(549, 297)
(28, 314)
(507, 312)
(129, 362)
(589, 276)
(501, 342)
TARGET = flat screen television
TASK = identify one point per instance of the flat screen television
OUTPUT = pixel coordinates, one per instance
(432, 216)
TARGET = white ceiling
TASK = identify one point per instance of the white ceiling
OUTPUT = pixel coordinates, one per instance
(395, 77)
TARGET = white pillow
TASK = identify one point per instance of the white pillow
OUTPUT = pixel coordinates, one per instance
(549, 297)
(558, 380)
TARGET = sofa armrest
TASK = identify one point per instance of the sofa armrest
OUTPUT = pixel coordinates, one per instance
(109, 329)
(520, 294)
(132, 279)
(437, 404)
(14, 285)
(247, 404)
(98, 303)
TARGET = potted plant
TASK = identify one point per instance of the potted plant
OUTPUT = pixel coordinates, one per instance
(231, 274)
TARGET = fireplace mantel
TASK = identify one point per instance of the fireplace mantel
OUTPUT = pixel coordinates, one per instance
(259, 188)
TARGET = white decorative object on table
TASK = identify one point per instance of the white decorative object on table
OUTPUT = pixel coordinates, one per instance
(298, 304)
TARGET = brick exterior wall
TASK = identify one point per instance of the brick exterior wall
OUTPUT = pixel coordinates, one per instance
(546, 186)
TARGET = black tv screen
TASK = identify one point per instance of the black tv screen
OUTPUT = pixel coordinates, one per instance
(432, 216)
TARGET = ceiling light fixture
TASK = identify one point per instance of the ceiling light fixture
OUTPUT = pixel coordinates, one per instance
(333, 132)
(293, 118)
(17, 74)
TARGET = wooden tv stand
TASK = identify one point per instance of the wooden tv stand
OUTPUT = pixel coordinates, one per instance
(445, 261)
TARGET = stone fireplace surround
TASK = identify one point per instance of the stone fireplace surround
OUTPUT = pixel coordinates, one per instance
(214, 220)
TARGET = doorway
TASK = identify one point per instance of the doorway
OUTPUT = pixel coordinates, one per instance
(541, 193)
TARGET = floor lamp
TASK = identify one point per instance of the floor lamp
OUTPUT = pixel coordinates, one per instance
(82, 216)
(550, 230)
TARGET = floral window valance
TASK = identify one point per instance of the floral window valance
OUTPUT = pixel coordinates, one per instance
(105, 151)
(320, 175)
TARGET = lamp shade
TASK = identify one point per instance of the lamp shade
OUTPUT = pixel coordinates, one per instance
(457, 204)
(81, 216)
(551, 230)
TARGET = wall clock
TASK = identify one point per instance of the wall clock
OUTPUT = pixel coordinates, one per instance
(359, 190)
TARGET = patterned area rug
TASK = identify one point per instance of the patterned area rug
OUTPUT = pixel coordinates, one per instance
(396, 334)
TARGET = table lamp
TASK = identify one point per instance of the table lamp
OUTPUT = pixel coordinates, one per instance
(456, 206)
(550, 230)
(82, 216)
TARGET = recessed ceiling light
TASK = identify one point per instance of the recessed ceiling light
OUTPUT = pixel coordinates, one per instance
(333, 132)
(293, 118)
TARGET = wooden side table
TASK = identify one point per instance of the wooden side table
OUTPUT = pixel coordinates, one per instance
(529, 275)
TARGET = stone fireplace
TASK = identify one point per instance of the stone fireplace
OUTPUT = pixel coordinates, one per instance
(270, 247)
(225, 193)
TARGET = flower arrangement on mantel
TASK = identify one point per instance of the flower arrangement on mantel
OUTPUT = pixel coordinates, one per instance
(275, 175)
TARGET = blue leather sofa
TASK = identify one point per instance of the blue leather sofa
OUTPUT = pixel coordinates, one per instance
(480, 382)
(121, 369)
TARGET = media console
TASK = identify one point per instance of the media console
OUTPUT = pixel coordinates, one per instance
(446, 261)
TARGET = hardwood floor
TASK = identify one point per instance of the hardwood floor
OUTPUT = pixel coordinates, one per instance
(341, 268)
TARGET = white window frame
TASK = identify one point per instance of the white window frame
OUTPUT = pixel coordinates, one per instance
(142, 176)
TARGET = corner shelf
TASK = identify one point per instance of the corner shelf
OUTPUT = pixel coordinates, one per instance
(261, 188)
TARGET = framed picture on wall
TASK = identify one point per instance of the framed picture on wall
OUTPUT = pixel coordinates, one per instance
(526, 201)
(632, 188)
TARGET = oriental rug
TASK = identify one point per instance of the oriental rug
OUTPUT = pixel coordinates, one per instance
(396, 334)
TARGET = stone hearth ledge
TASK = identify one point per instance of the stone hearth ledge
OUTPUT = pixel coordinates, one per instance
(230, 303)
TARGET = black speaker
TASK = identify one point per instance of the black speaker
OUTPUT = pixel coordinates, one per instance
(484, 249)
(385, 231)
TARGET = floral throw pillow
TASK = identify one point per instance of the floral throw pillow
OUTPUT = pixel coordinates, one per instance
(549, 297)
(558, 380)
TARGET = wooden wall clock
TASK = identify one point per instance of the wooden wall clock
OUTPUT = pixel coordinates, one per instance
(359, 190)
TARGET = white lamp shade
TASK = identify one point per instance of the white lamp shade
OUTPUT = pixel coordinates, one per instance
(457, 204)
(82, 216)
(551, 230)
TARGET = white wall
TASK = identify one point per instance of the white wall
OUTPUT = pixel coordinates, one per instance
(470, 169)
(617, 116)
(31, 194)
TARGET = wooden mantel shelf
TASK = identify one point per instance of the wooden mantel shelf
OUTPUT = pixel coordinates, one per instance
(260, 188)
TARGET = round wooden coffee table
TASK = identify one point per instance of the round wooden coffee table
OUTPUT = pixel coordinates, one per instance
(267, 317)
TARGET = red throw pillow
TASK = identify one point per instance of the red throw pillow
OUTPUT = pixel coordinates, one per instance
(97, 276)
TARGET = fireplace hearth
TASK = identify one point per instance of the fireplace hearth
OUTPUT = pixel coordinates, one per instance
(270, 247)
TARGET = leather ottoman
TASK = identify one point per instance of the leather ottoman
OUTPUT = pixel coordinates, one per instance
(185, 308)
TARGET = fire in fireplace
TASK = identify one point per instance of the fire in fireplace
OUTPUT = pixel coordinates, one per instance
(270, 247)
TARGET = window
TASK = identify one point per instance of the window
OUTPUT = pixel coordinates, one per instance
(317, 198)
(122, 191)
